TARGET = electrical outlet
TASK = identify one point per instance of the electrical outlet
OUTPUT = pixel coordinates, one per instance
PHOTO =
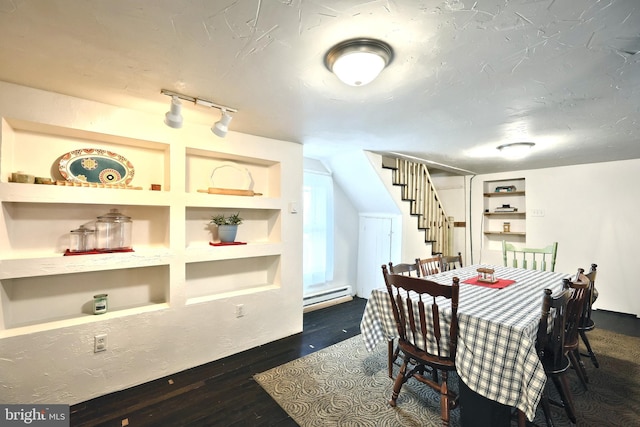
(100, 343)
(239, 310)
(537, 212)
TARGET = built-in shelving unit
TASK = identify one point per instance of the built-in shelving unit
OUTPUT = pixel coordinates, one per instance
(40, 289)
(505, 225)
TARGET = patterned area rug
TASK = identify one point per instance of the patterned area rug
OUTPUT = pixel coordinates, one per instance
(344, 385)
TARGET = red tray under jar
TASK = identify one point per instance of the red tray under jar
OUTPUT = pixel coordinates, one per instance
(94, 252)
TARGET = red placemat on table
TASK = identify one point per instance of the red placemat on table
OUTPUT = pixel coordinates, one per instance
(501, 283)
(94, 252)
(227, 243)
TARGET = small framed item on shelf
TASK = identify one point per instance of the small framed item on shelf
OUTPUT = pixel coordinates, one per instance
(505, 208)
(505, 188)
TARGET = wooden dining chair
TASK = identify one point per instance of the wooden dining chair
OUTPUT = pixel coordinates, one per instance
(572, 342)
(530, 258)
(406, 270)
(451, 262)
(558, 326)
(586, 322)
(426, 344)
(429, 266)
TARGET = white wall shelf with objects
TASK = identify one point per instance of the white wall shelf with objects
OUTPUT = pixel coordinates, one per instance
(38, 218)
(217, 272)
(36, 148)
(206, 168)
(501, 225)
(41, 303)
(42, 289)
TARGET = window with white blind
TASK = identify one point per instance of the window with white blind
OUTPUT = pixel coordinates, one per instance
(318, 231)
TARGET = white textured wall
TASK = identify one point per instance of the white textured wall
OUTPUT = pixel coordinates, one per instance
(59, 366)
(592, 212)
(345, 243)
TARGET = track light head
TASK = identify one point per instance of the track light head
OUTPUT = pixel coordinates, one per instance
(173, 118)
(222, 126)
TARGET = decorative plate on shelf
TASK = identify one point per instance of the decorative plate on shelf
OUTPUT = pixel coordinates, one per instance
(96, 165)
(232, 176)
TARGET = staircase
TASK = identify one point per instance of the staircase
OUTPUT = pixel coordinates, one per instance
(419, 191)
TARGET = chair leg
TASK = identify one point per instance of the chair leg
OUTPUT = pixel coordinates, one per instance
(565, 394)
(591, 354)
(522, 419)
(444, 399)
(391, 358)
(401, 378)
(578, 366)
(546, 409)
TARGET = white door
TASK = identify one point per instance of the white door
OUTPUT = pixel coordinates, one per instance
(374, 249)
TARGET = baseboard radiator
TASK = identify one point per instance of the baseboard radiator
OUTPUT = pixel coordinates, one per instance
(326, 295)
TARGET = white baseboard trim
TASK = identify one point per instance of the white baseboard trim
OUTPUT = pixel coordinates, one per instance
(326, 304)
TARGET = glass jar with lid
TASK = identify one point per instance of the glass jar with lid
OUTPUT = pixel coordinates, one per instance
(113, 231)
(82, 239)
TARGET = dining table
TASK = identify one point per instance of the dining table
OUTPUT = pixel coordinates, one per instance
(496, 355)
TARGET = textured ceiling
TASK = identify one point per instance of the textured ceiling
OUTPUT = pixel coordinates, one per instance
(466, 76)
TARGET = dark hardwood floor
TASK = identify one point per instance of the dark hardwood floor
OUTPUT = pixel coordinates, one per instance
(626, 324)
(222, 393)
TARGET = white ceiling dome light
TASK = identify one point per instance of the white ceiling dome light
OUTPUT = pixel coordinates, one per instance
(516, 150)
(358, 62)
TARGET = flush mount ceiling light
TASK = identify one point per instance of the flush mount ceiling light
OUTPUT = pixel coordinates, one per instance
(516, 150)
(222, 126)
(173, 118)
(358, 61)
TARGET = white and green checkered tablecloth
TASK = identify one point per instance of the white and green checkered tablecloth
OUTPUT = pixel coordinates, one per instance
(496, 354)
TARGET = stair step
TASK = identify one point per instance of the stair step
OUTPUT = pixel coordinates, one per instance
(389, 163)
(412, 177)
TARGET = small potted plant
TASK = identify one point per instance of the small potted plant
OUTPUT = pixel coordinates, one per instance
(227, 226)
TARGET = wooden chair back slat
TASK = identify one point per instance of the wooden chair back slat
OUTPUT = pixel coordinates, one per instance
(451, 262)
(429, 266)
(404, 268)
(530, 258)
(551, 337)
(576, 306)
(591, 295)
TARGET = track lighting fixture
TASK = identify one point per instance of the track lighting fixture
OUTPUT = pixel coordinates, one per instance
(222, 126)
(173, 118)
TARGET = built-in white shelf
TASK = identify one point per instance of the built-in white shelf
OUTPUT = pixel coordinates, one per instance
(40, 289)
(213, 279)
(495, 223)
